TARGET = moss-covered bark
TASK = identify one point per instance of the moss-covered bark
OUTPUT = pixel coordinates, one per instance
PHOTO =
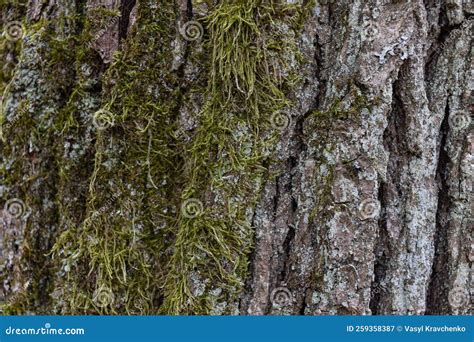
(235, 157)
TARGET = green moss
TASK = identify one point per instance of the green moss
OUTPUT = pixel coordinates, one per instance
(248, 44)
(9, 50)
(31, 138)
(123, 230)
(116, 249)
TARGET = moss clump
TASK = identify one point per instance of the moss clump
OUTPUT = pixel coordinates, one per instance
(28, 164)
(117, 250)
(250, 44)
(128, 240)
(10, 49)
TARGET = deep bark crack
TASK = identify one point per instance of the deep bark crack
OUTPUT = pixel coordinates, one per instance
(437, 286)
(126, 7)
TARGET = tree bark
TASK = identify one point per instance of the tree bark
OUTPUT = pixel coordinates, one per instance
(244, 157)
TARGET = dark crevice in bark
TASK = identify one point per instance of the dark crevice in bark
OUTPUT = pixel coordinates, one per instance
(279, 276)
(304, 304)
(126, 7)
(394, 141)
(298, 153)
(248, 289)
(277, 196)
(81, 11)
(287, 243)
(322, 84)
(286, 252)
(437, 289)
(190, 9)
(379, 253)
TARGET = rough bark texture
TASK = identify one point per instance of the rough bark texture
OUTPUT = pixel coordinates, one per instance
(236, 157)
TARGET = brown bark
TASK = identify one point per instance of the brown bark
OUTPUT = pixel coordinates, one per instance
(361, 205)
